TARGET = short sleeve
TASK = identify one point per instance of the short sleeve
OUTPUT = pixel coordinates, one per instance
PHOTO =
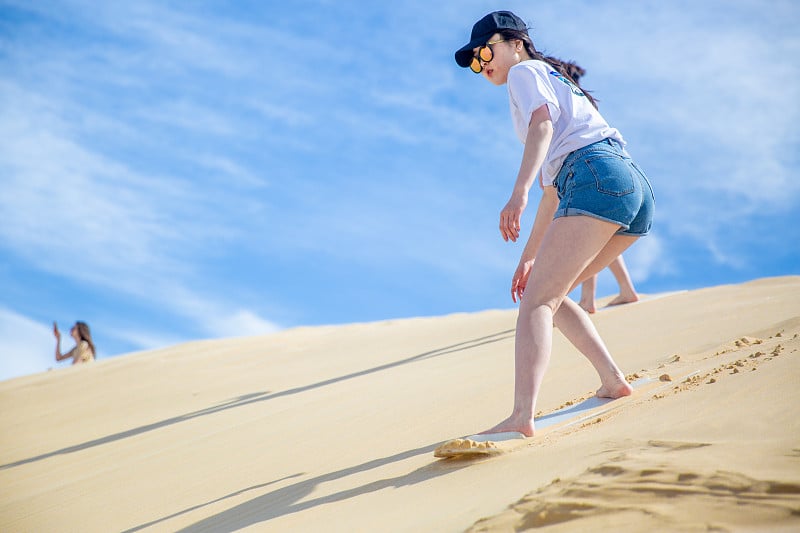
(529, 91)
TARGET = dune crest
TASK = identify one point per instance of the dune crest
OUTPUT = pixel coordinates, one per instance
(334, 428)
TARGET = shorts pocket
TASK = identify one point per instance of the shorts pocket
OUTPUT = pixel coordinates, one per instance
(612, 174)
(561, 182)
(645, 180)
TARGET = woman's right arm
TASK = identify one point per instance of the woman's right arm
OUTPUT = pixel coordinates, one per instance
(544, 216)
(537, 142)
(59, 356)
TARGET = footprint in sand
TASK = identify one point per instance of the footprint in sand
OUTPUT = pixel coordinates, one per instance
(633, 487)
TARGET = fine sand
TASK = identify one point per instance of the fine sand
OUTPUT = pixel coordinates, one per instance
(333, 428)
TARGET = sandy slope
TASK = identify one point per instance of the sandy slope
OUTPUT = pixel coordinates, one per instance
(333, 428)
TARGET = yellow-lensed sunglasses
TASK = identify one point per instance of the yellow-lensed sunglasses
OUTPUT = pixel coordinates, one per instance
(484, 55)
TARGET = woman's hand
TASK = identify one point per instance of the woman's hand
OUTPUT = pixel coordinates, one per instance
(520, 280)
(510, 216)
(56, 332)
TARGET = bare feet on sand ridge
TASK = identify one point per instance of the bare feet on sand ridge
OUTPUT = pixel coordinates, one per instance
(521, 424)
(617, 389)
(524, 424)
(590, 307)
(624, 299)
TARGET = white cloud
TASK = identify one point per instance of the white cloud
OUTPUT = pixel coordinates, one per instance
(139, 338)
(77, 213)
(289, 116)
(214, 318)
(189, 116)
(86, 217)
(647, 258)
(26, 346)
(157, 151)
(230, 171)
(242, 323)
(723, 90)
(708, 102)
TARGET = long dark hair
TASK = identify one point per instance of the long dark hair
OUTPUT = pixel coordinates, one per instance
(569, 69)
(86, 335)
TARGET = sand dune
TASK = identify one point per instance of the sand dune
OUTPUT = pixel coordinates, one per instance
(333, 428)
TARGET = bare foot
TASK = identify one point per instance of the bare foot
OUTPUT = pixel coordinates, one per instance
(513, 423)
(588, 305)
(624, 299)
(615, 389)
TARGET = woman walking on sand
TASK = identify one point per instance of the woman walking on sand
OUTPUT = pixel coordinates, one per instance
(84, 350)
(595, 203)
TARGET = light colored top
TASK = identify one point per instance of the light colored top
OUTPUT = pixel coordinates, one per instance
(576, 123)
(82, 353)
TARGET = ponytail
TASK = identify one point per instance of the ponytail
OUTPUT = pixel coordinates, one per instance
(568, 69)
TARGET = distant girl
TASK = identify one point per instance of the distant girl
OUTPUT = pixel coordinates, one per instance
(595, 203)
(84, 351)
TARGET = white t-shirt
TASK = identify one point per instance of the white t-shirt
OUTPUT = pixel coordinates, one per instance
(576, 123)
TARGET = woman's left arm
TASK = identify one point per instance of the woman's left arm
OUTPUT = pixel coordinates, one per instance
(544, 216)
(537, 142)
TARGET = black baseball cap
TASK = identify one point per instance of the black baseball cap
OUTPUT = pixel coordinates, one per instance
(483, 30)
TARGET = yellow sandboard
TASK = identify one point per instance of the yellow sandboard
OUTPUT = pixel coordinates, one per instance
(477, 445)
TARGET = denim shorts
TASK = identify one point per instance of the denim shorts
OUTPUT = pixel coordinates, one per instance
(602, 181)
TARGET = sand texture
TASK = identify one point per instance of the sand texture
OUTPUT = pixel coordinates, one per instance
(333, 428)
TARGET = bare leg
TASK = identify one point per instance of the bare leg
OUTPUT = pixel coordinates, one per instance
(627, 294)
(588, 289)
(571, 246)
(608, 255)
(580, 331)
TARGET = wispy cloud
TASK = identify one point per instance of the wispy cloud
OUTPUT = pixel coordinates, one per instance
(721, 87)
(213, 162)
(28, 346)
(78, 214)
(647, 258)
(706, 102)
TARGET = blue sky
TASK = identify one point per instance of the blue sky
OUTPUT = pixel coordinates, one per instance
(188, 170)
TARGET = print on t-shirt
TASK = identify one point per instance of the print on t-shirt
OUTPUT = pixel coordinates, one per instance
(575, 89)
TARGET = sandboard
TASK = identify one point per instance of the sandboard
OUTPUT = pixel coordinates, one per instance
(491, 444)
(481, 445)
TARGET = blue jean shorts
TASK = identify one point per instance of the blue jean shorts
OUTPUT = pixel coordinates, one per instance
(602, 181)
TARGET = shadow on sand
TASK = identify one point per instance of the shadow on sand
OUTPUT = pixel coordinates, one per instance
(249, 399)
(286, 500)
